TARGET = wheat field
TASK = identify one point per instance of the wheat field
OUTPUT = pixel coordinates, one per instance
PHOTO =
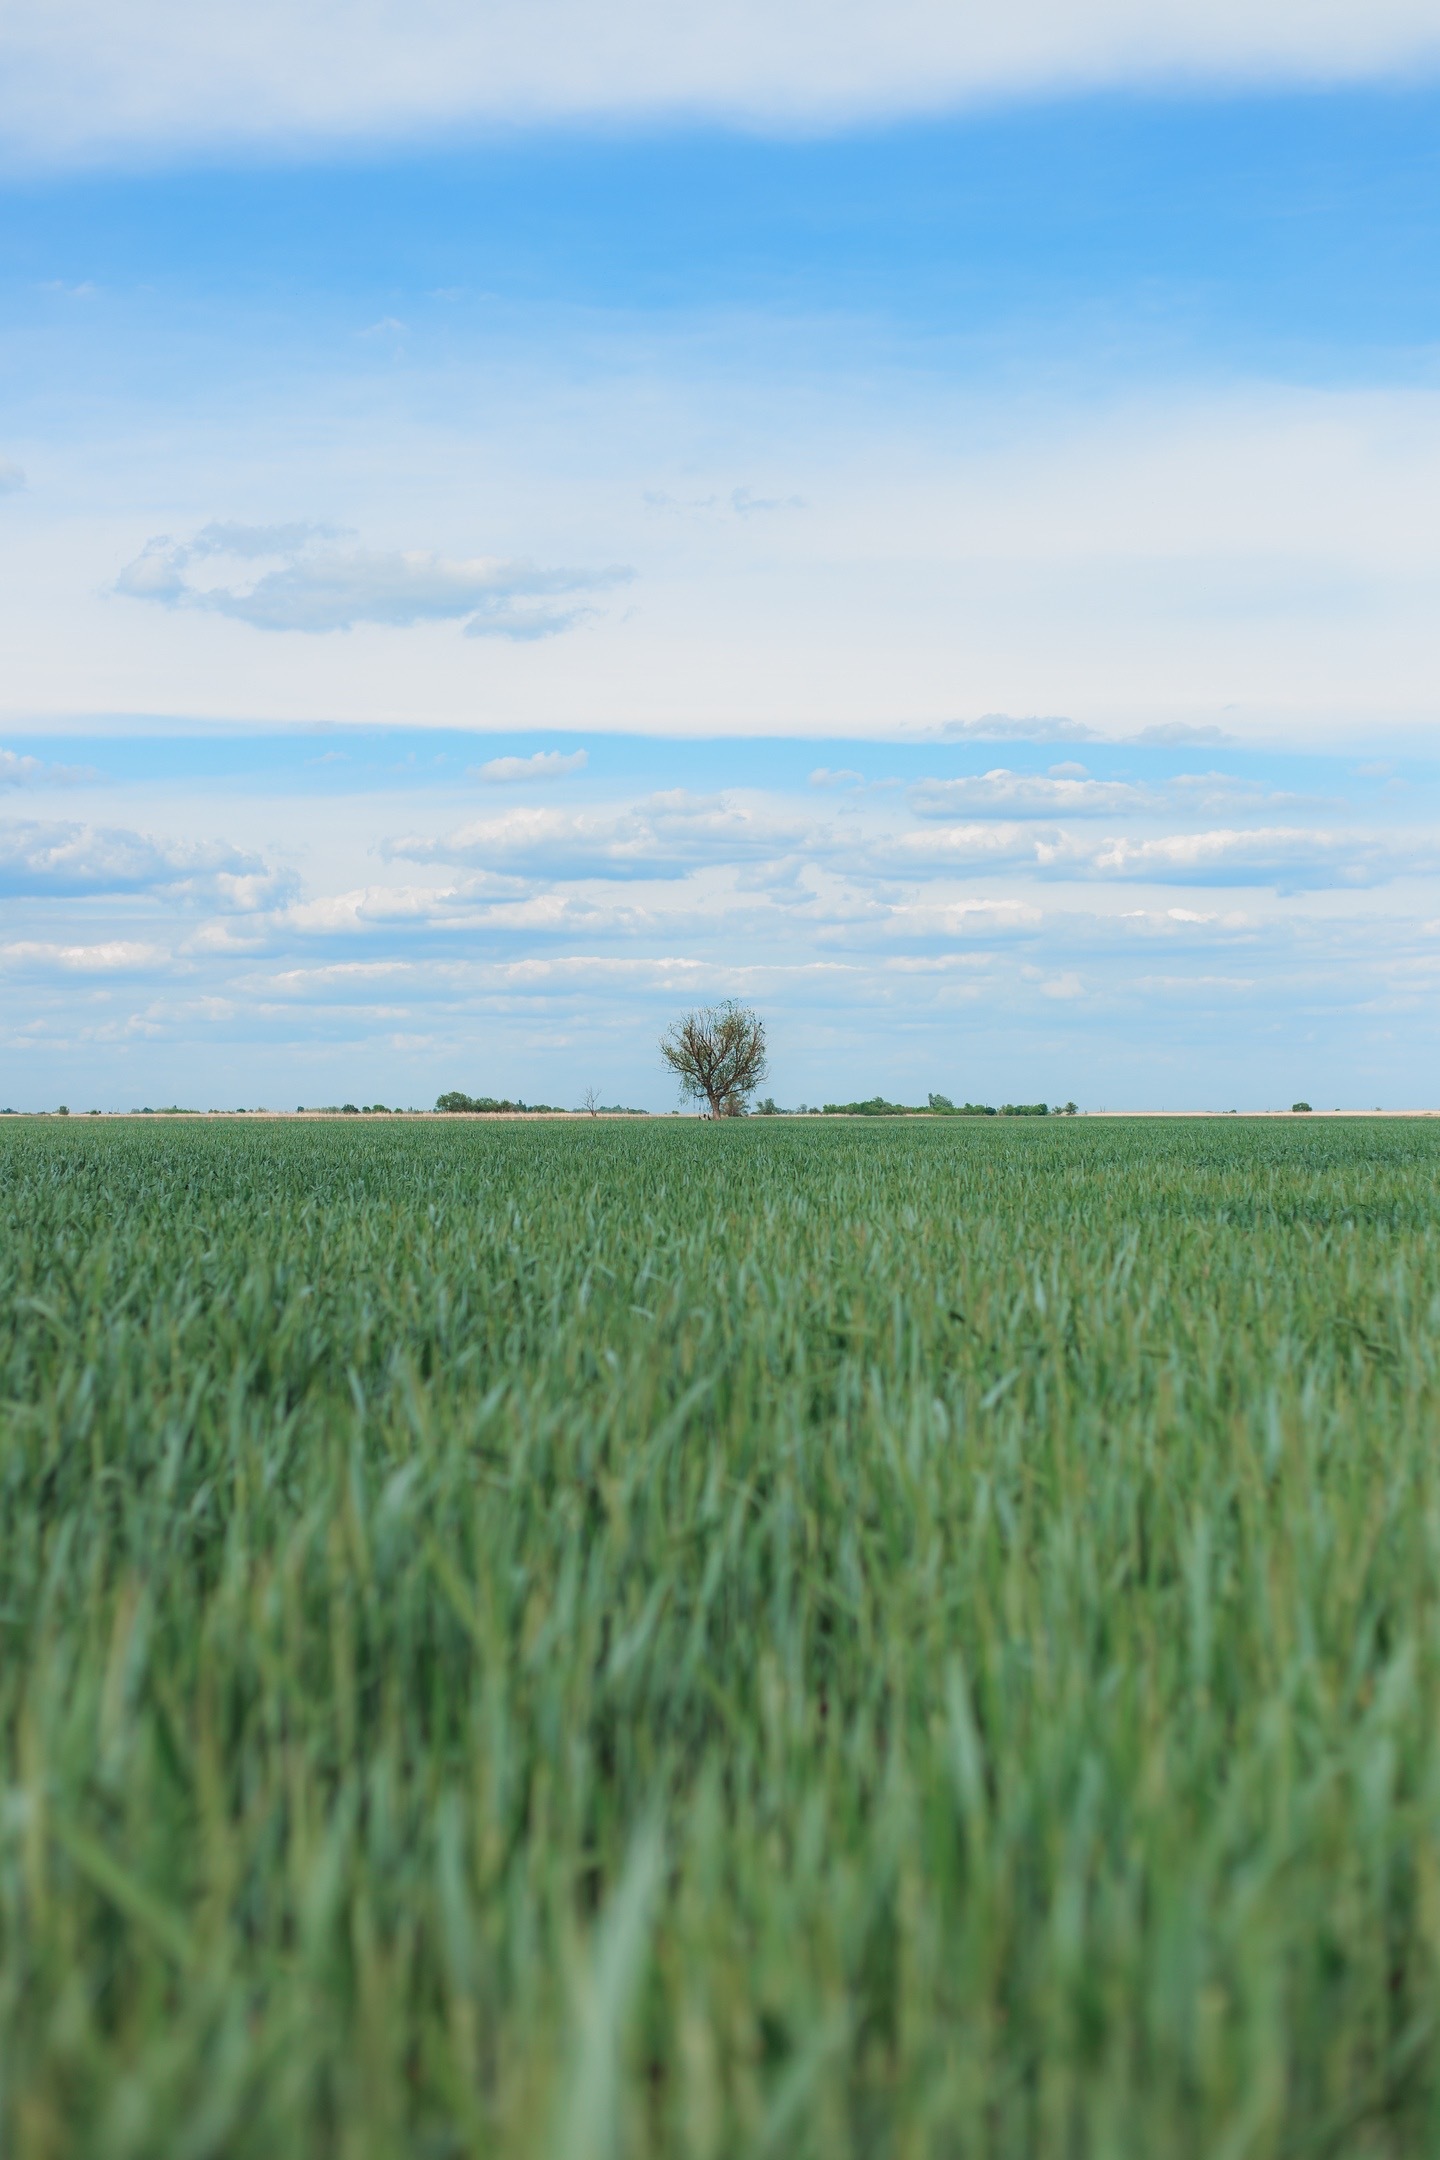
(795, 1637)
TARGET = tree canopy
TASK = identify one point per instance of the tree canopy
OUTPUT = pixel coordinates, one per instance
(718, 1056)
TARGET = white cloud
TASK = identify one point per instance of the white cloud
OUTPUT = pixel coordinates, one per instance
(315, 586)
(932, 963)
(117, 956)
(66, 858)
(874, 941)
(741, 502)
(746, 504)
(1093, 572)
(544, 765)
(1190, 986)
(1286, 857)
(20, 771)
(379, 907)
(1224, 793)
(1175, 921)
(347, 974)
(228, 536)
(967, 919)
(964, 848)
(1019, 795)
(1006, 727)
(228, 938)
(1179, 732)
(663, 836)
(82, 78)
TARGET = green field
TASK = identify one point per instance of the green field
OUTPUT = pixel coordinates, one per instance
(789, 1638)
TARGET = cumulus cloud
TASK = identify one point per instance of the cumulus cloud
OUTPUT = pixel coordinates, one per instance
(663, 836)
(1178, 921)
(17, 770)
(1287, 858)
(348, 977)
(80, 78)
(308, 578)
(1019, 795)
(544, 765)
(380, 907)
(1223, 793)
(968, 919)
(76, 859)
(964, 849)
(117, 956)
(541, 977)
(226, 536)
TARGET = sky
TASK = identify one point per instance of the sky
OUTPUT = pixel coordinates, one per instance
(516, 522)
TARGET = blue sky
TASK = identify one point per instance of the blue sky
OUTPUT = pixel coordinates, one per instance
(507, 533)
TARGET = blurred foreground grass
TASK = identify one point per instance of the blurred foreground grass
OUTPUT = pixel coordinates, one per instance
(617, 1641)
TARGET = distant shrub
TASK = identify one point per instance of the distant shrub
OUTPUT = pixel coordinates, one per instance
(936, 1106)
(1299, 1106)
(1024, 1109)
(481, 1105)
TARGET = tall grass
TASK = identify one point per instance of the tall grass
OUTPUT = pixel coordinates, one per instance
(759, 1640)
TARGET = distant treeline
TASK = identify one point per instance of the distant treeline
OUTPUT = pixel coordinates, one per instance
(877, 1106)
(496, 1106)
(461, 1104)
(470, 1104)
(941, 1106)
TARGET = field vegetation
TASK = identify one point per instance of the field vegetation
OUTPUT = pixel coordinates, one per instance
(768, 1637)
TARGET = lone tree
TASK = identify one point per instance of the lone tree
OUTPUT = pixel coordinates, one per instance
(718, 1056)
